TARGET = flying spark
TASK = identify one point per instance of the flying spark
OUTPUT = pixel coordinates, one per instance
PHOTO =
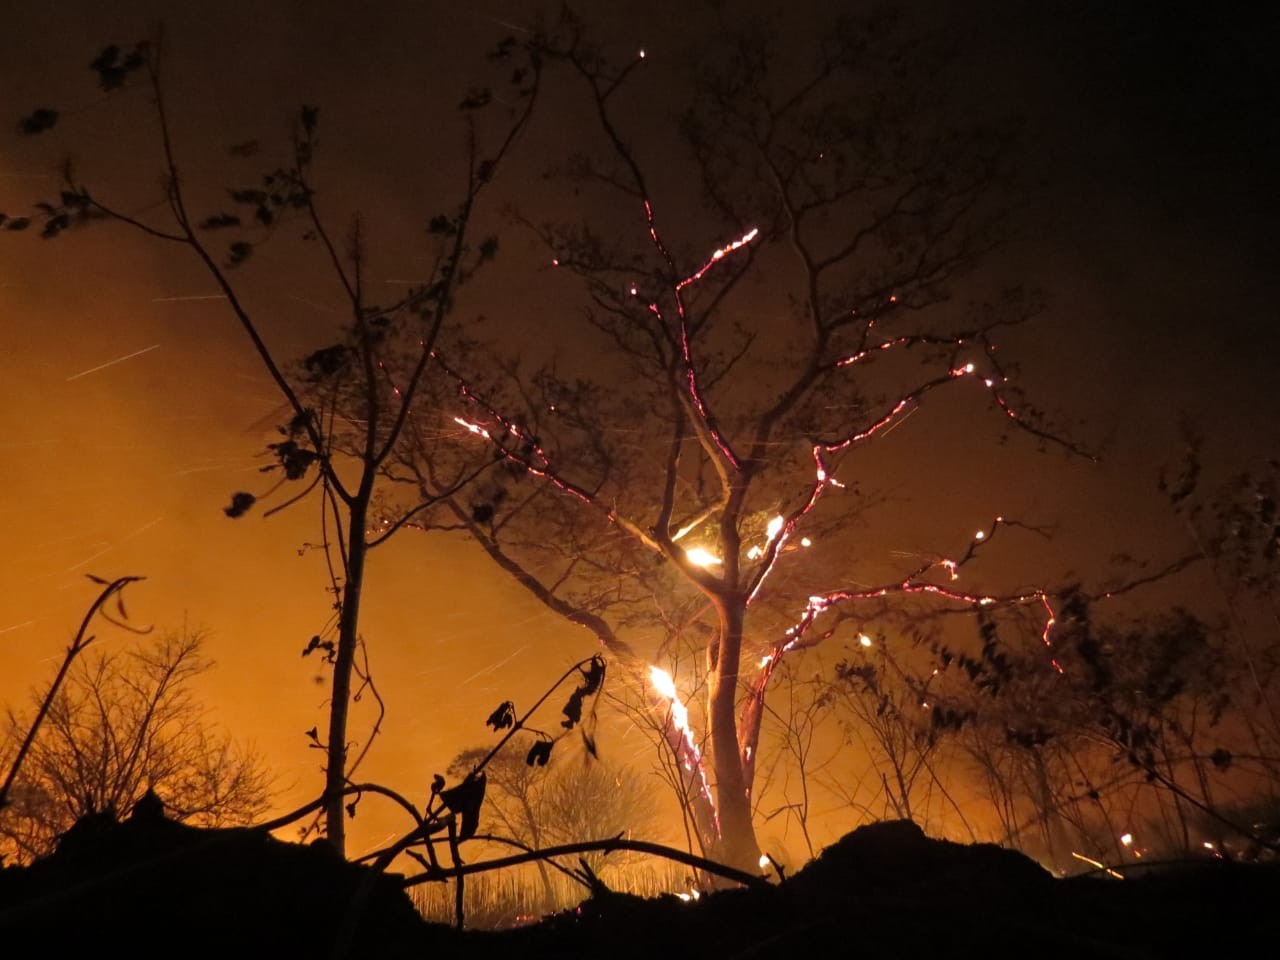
(112, 363)
(111, 546)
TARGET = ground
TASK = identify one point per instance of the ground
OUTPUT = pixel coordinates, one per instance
(152, 887)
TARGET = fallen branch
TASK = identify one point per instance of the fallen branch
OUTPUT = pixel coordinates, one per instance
(592, 846)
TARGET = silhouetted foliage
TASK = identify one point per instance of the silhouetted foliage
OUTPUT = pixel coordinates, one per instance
(241, 502)
(124, 725)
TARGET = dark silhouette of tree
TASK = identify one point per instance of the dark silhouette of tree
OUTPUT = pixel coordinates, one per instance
(125, 723)
(348, 402)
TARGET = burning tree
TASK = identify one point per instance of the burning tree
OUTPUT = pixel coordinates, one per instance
(694, 455)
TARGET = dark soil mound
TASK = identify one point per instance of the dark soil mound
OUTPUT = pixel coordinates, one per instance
(153, 887)
(150, 887)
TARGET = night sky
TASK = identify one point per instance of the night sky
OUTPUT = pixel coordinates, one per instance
(1147, 212)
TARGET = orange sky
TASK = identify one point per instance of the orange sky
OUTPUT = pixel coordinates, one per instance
(125, 469)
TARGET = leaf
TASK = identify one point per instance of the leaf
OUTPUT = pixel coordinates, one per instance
(314, 734)
(593, 676)
(573, 710)
(503, 717)
(240, 504)
(299, 423)
(218, 221)
(502, 50)
(55, 225)
(351, 810)
(465, 800)
(112, 70)
(330, 650)
(440, 224)
(239, 252)
(540, 753)
(295, 459)
(308, 116)
(246, 149)
(38, 121)
(249, 197)
(326, 362)
(476, 98)
(1221, 758)
(17, 223)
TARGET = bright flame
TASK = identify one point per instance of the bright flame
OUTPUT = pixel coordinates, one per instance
(775, 527)
(755, 553)
(764, 861)
(980, 535)
(692, 761)
(864, 640)
(662, 682)
(1126, 839)
(806, 542)
(701, 558)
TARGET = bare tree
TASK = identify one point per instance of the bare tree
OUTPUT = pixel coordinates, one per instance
(124, 723)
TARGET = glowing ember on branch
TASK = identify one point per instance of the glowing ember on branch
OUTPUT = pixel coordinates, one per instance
(717, 256)
(478, 430)
(775, 526)
(1101, 866)
(864, 640)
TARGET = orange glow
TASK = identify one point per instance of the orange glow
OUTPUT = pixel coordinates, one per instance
(702, 558)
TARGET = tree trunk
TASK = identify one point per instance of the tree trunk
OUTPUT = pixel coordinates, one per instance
(738, 847)
(335, 774)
